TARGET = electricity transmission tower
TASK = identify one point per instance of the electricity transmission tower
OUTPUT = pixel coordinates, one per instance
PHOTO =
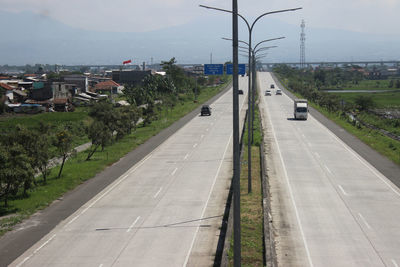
(302, 46)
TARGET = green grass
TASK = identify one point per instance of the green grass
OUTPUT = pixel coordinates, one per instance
(382, 100)
(371, 85)
(77, 170)
(252, 232)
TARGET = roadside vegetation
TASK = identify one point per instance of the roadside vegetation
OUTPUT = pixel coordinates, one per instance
(372, 117)
(251, 209)
(29, 142)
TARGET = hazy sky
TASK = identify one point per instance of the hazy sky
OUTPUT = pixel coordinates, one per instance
(371, 16)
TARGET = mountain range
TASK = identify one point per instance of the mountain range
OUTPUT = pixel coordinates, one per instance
(27, 38)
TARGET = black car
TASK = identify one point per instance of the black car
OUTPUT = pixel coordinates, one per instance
(272, 86)
(205, 110)
(240, 92)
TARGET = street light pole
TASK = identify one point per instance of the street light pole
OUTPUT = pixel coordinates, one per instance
(236, 150)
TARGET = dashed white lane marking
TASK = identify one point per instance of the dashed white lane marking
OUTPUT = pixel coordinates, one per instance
(341, 189)
(202, 136)
(316, 154)
(363, 161)
(37, 250)
(186, 156)
(173, 173)
(101, 265)
(133, 224)
(364, 220)
(394, 263)
(194, 145)
(207, 130)
(158, 192)
(326, 167)
(110, 189)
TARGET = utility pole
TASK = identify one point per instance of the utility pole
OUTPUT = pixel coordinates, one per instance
(302, 45)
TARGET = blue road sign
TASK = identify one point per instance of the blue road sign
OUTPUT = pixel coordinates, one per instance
(213, 69)
(242, 69)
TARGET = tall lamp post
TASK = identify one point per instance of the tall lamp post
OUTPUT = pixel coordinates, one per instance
(251, 92)
(236, 156)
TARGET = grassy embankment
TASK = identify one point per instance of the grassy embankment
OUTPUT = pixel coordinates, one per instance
(376, 140)
(77, 170)
(252, 232)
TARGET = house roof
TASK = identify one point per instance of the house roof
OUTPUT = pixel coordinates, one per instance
(60, 101)
(107, 85)
(6, 86)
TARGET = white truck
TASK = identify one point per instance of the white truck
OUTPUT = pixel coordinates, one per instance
(300, 109)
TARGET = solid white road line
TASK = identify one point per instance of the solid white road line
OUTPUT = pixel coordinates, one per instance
(37, 250)
(290, 191)
(394, 263)
(208, 199)
(316, 154)
(133, 224)
(364, 220)
(363, 161)
(158, 192)
(173, 173)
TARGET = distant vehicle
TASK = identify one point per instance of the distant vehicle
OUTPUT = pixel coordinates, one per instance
(272, 86)
(240, 92)
(278, 92)
(300, 109)
(205, 110)
(268, 92)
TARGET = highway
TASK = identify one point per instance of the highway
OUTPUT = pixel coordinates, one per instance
(330, 207)
(165, 210)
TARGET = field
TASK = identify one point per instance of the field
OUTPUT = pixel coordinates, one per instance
(371, 85)
(382, 100)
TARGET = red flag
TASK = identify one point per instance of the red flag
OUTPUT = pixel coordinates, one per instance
(127, 62)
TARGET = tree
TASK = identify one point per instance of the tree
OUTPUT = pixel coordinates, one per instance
(64, 146)
(42, 154)
(100, 135)
(15, 170)
(364, 102)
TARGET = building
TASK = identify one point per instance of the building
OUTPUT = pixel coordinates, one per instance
(108, 87)
(131, 77)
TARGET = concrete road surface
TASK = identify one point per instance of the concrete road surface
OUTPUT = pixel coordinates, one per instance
(164, 211)
(330, 207)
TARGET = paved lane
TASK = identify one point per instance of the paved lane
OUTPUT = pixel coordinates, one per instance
(337, 207)
(152, 214)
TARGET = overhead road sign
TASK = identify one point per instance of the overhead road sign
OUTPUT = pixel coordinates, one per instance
(213, 69)
(242, 69)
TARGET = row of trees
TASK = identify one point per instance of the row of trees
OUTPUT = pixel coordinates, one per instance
(24, 152)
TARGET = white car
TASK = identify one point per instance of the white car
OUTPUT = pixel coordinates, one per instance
(268, 92)
(278, 92)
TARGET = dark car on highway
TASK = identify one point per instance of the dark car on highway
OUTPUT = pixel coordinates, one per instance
(240, 92)
(205, 110)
